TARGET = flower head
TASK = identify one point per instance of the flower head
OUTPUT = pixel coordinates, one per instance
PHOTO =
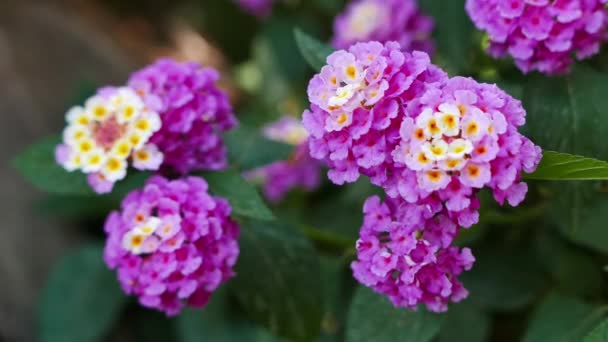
(358, 102)
(112, 129)
(542, 35)
(404, 252)
(193, 113)
(384, 20)
(172, 243)
(463, 134)
(299, 171)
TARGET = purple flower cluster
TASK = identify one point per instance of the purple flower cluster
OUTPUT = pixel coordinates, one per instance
(542, 35)
(430, 141)
(384, 20)
(404, 251)
(259, 8)
(172, 243)
(300, 171)
(193, 113)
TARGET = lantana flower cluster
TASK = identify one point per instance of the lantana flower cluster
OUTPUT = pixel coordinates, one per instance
(299, 171)
(384, 20)
(193, 110)
(111, 130)
(542, 35)
(172, 243)
(404, 251)
(169, 117)
(427, 139)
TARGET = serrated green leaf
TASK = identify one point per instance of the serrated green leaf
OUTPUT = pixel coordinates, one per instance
(248, 149)
(314, 52)
(599, 333)
(278, 280)
(373, 318)
(37, 164)
(243, 197)
(561, 319)
(81, 299)
(564, 166)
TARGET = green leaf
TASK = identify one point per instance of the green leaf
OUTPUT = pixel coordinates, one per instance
(599, 333)
(243, 197)
(503, 280)
(590, 224)
(314, 52)
(91, 206)
(465, 322)
(81, 299)
(560, 319)
(574, 271)
(37, 164)
(219, 322)
(338, 288)
(248, 149)
(278, 280)
(564, 166)
(373, 318)
(567, 114)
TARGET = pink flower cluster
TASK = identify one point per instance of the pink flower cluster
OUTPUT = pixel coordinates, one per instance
(542, 35)
(172, 243)
(384, 20)
(193, 112)
(428, 140)
(300, 171)
(404, 251)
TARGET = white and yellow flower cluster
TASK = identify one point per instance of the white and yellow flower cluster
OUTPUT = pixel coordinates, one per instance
(109, 130)
(450, 140)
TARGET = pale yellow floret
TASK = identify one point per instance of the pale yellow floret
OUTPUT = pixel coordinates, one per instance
(121, 149)
(93, 161)
(114, 169)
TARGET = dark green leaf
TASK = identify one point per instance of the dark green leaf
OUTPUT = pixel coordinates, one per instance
(248, 149)
(91, 206)
(465, 322)
(278, 280)
(81, 299)
(37, 164)
(502, 280)
(373, 318)
(219, 321)
(338, 288)
(599, 333)
(314, 52)
(590, 222)
(563, 166)
(560, 319)
(573, 270)
(567, 114)
(243, 197)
